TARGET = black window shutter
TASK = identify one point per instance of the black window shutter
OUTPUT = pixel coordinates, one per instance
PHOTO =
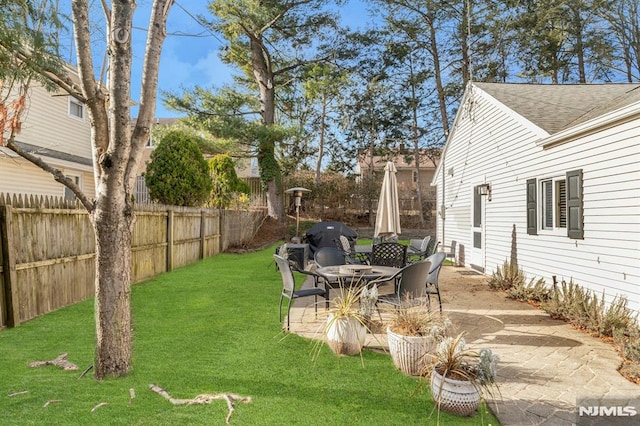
(575, 217)
(532, 207)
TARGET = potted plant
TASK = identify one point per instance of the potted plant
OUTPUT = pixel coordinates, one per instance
(346, 326)
(413, 333)
(460, 377)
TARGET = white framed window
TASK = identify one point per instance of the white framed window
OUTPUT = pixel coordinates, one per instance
(76, 108)
(553, 204)
(68, 194)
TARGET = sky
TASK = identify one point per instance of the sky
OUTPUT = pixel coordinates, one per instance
(190, 52)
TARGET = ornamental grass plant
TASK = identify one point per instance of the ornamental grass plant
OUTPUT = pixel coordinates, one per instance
(202, 329)
(414, 318)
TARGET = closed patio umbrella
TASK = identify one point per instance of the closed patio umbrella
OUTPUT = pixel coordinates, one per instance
(388, 215)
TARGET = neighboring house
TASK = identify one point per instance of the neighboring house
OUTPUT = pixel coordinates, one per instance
(247, 167)
(56, 128)
(406, 176)
(546, 176)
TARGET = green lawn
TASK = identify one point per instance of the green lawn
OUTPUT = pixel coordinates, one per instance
(206, 328)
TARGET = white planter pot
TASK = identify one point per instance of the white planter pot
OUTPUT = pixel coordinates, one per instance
(345, 335)
(409, 353)
(459, 397)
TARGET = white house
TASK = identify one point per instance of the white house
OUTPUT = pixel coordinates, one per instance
(56, 128)
(548, 176)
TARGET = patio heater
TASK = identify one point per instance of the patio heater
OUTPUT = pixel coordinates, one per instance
(297, 198)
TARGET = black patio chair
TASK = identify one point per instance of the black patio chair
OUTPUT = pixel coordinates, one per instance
(289, 287)
(389, 254)
(410, 284)
(330, 256)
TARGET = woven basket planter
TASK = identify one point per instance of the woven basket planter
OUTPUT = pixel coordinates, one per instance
(409, 353)
(345, 335)
(459, 397)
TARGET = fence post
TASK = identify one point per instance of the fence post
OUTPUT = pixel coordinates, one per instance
(169, 240)
(203, 234)
(11, 295)
(222, 229)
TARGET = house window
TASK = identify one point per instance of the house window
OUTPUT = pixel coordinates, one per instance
(68, 194)
(554, 203)
(415, 176)
(557, 202)
(76, 108)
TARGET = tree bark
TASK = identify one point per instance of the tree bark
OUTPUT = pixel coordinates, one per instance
(112, 220)
(270, 169)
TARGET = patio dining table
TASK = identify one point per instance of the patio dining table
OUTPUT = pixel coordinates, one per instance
(355, 273)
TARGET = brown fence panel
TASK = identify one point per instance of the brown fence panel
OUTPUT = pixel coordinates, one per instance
(186, 229)
(54, 256)
(149, 243)
(212, 235)
(257, 194)
(240, 226)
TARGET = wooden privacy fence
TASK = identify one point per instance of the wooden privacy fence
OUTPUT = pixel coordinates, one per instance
(47, 256)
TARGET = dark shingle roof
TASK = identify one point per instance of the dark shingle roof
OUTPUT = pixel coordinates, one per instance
(555, 107)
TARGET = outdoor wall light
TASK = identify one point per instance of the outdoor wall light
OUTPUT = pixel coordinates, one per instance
(485, 189)
(297, 199)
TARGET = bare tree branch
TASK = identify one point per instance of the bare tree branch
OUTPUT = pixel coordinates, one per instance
(155, 39)
(230, 398)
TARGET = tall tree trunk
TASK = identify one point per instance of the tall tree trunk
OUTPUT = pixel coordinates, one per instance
(442, 96)
(112, 221)
(116, 154)
(269, 168)
(578, 28)
(416, 141)
(323, 118)
(464, 44)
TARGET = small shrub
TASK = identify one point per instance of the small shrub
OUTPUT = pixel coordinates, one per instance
(628, 342)
(584, 309)
(619, 317)
(507, 277)
(411, 319)
(538, 292)
(178, 174)
(562, 300)
(228, 188)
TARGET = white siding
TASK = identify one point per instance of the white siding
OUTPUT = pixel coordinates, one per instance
(18, 176)
(47, 123)
(497, 147)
